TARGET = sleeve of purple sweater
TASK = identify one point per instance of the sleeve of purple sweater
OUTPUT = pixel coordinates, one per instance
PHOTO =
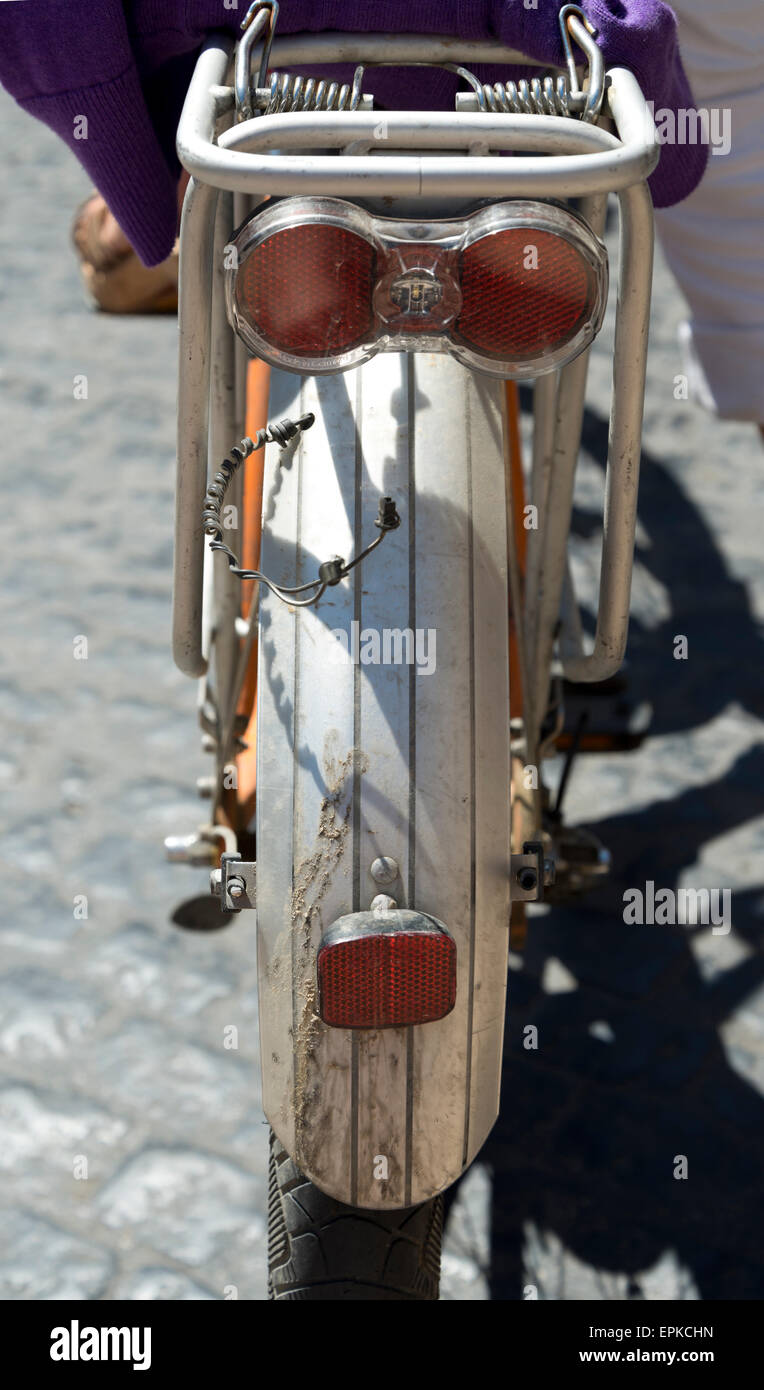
(105, 77)
(73, 66)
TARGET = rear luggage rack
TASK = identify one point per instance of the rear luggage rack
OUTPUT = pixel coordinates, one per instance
(563, 158)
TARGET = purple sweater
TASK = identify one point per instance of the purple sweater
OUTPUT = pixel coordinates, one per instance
(125, 64)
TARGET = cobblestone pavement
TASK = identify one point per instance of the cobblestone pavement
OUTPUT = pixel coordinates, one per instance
(132, 1140)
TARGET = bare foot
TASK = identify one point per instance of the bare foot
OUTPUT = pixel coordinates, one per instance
(114, 277)
(98, 236)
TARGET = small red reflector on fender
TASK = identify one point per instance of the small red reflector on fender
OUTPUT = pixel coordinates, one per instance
(386, 970)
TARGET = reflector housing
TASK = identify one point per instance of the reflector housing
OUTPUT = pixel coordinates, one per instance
(319, 285)
(386, 970)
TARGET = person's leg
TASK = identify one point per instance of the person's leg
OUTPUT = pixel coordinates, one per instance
(713, 245)
(712, 240)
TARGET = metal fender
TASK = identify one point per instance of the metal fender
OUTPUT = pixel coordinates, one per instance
(390, 740)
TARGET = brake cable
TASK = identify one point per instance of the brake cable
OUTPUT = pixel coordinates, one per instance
(331, 571)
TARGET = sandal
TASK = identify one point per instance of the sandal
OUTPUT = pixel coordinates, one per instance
(115, 278)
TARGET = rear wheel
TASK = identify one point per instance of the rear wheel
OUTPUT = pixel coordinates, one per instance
(319, 1248)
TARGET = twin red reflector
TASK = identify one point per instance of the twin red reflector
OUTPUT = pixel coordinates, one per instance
(319, 285)
(386, 970)
(308, 289)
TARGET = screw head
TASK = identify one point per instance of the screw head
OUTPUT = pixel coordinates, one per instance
(384, 869)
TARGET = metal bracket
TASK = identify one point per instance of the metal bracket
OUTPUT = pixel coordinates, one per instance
(573, 23)
(260, 17)
(234, 883)
(531, 873)
(200, 849)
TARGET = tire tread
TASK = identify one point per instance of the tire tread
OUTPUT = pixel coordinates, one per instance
(319, 1248)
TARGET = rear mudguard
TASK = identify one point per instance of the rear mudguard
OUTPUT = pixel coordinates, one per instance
(402, 758)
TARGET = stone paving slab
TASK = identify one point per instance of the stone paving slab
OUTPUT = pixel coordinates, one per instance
(132, 1147)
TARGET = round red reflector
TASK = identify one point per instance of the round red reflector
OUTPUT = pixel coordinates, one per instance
(525, 293)
(307, 289)
(386, 978)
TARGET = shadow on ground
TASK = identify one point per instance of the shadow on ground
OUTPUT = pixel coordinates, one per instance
(630, 1071)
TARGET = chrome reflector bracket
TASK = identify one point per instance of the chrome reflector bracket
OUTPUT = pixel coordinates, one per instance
(234, 883)
(531, 873)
